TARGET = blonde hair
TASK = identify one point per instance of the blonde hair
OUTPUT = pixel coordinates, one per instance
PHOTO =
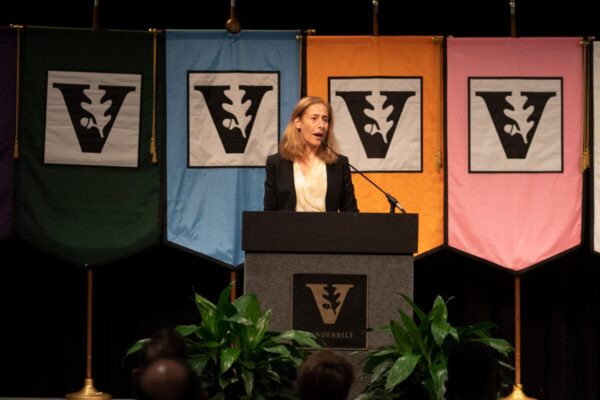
(292, 146)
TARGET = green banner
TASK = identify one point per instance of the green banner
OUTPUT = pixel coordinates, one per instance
(87, 188)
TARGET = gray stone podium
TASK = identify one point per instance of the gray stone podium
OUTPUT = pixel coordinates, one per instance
(284, 247)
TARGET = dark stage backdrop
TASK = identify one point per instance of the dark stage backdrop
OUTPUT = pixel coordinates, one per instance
(330, 17)
(42, 299)
(42, 311)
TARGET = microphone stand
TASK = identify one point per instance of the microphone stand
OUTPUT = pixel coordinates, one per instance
(391, 199)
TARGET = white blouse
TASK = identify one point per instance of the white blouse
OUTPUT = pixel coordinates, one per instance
(311, 187)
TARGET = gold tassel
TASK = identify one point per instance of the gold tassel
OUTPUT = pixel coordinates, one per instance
(438, 160)
(439, 153)
(585, 153)
(585, 160)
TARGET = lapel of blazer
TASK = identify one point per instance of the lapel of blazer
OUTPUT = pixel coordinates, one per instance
(288, 176)
(330, 196)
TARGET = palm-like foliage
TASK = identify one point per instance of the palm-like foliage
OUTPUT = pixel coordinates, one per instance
(415, 366)
(236, 355)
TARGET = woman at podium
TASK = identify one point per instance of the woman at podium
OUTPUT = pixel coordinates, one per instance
(307, 174)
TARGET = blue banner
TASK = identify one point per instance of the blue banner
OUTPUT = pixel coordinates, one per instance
(228, 97)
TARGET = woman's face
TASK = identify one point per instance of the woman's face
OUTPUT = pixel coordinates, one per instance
(313, 125)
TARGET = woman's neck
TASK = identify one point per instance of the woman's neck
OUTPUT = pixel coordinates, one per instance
(309, 154)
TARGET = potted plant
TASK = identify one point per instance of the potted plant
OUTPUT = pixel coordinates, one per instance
(236, 355)
(415, 366)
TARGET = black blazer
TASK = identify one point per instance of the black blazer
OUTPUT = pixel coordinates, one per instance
(280, 191)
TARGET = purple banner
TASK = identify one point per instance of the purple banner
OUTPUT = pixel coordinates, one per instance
(8, 64)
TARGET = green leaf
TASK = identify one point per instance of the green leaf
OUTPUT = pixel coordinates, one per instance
(401, 370)
(506, 365)
(137, 346)
(381, 369)
(439, 331)
(474, 329)
(225, 296)
(248, 378)
(401, 338)
(228, 357)
(439, 310)
(366, 396)
(373, 361)
(248, 364)
(202, 333)
(414, 332)
(224, 310)
(279, 349)
(454, 333)
(297, 361)
(223, 382)
(385, 352)
(500, 345)
(198, 363)
(218, 396)
(207, 312)
(303, 338)
(257, 334)
(239, 319)
(186, 330)
(420, 314)
(273, 375)
(248, 306)
(202, 346)
(436, 384)
(439, 321)
(204, 304)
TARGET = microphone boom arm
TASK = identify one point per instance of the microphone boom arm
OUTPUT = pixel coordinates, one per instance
(391, 199)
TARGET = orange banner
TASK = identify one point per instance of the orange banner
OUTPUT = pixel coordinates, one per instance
(386, 93)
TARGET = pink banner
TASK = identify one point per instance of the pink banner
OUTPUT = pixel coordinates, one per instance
(514, 146)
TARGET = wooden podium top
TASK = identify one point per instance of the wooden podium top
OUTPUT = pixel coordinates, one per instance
(329, 232)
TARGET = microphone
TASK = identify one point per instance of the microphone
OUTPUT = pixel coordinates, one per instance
(391, 199)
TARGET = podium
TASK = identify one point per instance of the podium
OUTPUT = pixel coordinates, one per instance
(339, 273)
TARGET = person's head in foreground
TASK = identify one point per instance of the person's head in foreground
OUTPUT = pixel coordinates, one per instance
(325, 376)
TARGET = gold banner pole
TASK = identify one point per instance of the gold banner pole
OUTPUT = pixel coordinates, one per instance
(89, 392)
(232, 279)
(517, 393)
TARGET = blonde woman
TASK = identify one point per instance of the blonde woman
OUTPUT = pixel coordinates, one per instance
(304, 175)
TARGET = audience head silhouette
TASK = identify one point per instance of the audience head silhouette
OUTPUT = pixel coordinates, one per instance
(325, 376)
(169, 379)
(165, 343)
(472, 373)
